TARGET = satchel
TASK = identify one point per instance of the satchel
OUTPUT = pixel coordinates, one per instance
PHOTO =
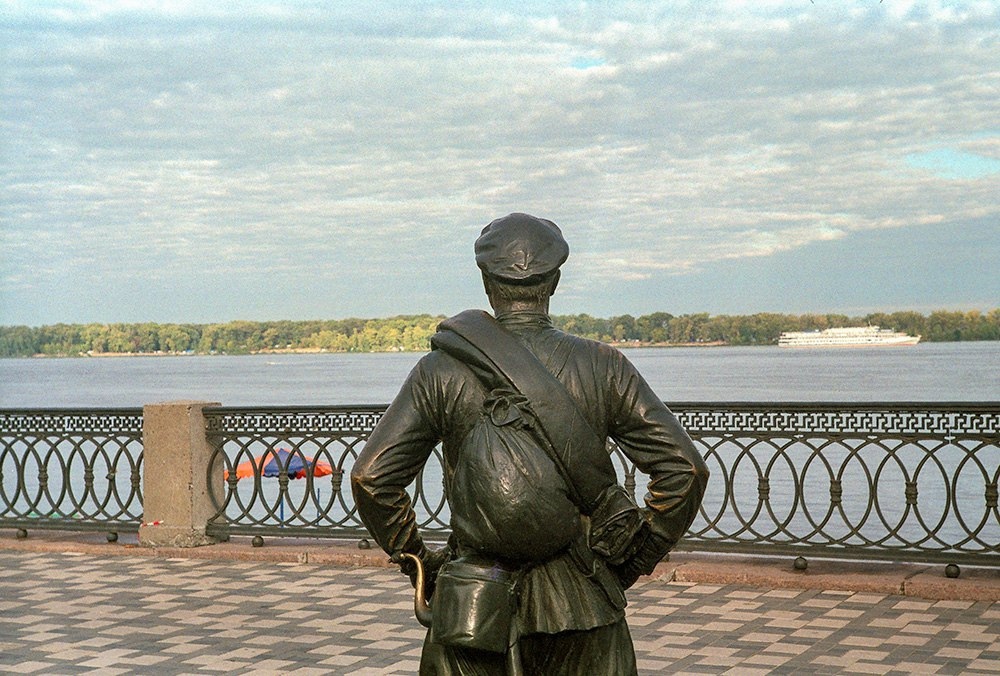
(474, 605)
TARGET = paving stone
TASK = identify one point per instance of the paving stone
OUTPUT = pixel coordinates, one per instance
(73, 614)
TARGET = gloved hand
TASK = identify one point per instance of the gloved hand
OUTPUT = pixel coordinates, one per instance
(650, 553)
(618, 527)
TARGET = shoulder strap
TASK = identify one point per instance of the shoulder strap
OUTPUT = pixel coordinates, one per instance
(500, 360)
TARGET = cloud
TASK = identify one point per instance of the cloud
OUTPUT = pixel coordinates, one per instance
(327, 144)
(690, 253)
(987, 145)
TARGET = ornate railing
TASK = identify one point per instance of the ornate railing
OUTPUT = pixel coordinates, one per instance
(916, 482)
(888, 481)
(263, 495)
(71, 469)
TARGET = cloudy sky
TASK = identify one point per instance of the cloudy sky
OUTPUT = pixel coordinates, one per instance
(200, 162)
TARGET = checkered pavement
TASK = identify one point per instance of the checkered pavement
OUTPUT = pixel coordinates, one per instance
(81, 613)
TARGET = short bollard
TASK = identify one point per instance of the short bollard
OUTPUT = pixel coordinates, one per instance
(800, 563)
(952, 570)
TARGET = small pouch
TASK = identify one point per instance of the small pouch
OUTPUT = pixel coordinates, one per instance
(474, 605)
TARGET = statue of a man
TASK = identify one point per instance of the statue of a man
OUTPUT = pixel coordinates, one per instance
(570, 541)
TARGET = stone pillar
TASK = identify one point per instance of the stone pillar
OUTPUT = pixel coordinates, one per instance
(175, 488)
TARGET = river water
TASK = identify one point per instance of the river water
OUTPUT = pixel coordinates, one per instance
(938, 372)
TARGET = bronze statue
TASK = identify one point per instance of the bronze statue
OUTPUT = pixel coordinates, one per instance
(544, 541)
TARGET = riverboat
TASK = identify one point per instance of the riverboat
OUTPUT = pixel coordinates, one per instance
(854, 336)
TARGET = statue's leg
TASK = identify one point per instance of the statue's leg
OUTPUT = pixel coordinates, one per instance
(441, 660)
(602, 650)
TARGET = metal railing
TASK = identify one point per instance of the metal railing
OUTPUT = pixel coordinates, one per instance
(265, 495)
(907, 481)
(886, 481)
(63, 469)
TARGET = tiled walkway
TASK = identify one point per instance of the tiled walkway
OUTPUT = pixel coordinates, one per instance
(81, 613)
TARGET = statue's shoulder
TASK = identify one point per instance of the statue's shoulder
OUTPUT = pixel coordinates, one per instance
(582, 355)
(442, 374)
(437, 362)
(586, 345)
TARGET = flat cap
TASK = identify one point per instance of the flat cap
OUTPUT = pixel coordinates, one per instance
(520, 248)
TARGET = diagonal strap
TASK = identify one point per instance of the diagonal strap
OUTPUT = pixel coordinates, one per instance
(500, 360)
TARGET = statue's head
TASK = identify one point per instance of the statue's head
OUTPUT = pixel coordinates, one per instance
(520, 257)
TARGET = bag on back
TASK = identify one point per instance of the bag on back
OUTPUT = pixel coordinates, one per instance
(507, 496)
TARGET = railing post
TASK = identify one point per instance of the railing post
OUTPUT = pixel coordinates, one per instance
(176, 454)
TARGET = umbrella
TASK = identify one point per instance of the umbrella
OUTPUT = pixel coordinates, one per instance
(272, 462)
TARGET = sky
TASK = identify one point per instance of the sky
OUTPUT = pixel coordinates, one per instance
(205, 162)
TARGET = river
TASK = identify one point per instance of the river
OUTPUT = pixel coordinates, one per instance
(939, 372)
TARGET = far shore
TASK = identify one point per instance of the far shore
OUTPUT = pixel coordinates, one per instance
(317, 350)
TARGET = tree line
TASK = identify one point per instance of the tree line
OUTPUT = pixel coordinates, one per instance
(413, 332)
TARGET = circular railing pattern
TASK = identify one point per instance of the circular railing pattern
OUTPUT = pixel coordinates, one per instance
(79, 465)
(885, 480)
(908, 481)
(882, 480)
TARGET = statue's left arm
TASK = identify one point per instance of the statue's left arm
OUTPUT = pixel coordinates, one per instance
(650, 435)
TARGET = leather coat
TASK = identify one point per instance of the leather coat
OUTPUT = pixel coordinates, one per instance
(441, 400)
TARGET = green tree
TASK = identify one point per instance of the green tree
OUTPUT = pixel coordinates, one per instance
(18, 341)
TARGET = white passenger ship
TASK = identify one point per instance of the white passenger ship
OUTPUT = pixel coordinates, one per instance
(858, 336)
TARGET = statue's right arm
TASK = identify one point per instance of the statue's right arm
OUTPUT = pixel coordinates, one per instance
(393, 455)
